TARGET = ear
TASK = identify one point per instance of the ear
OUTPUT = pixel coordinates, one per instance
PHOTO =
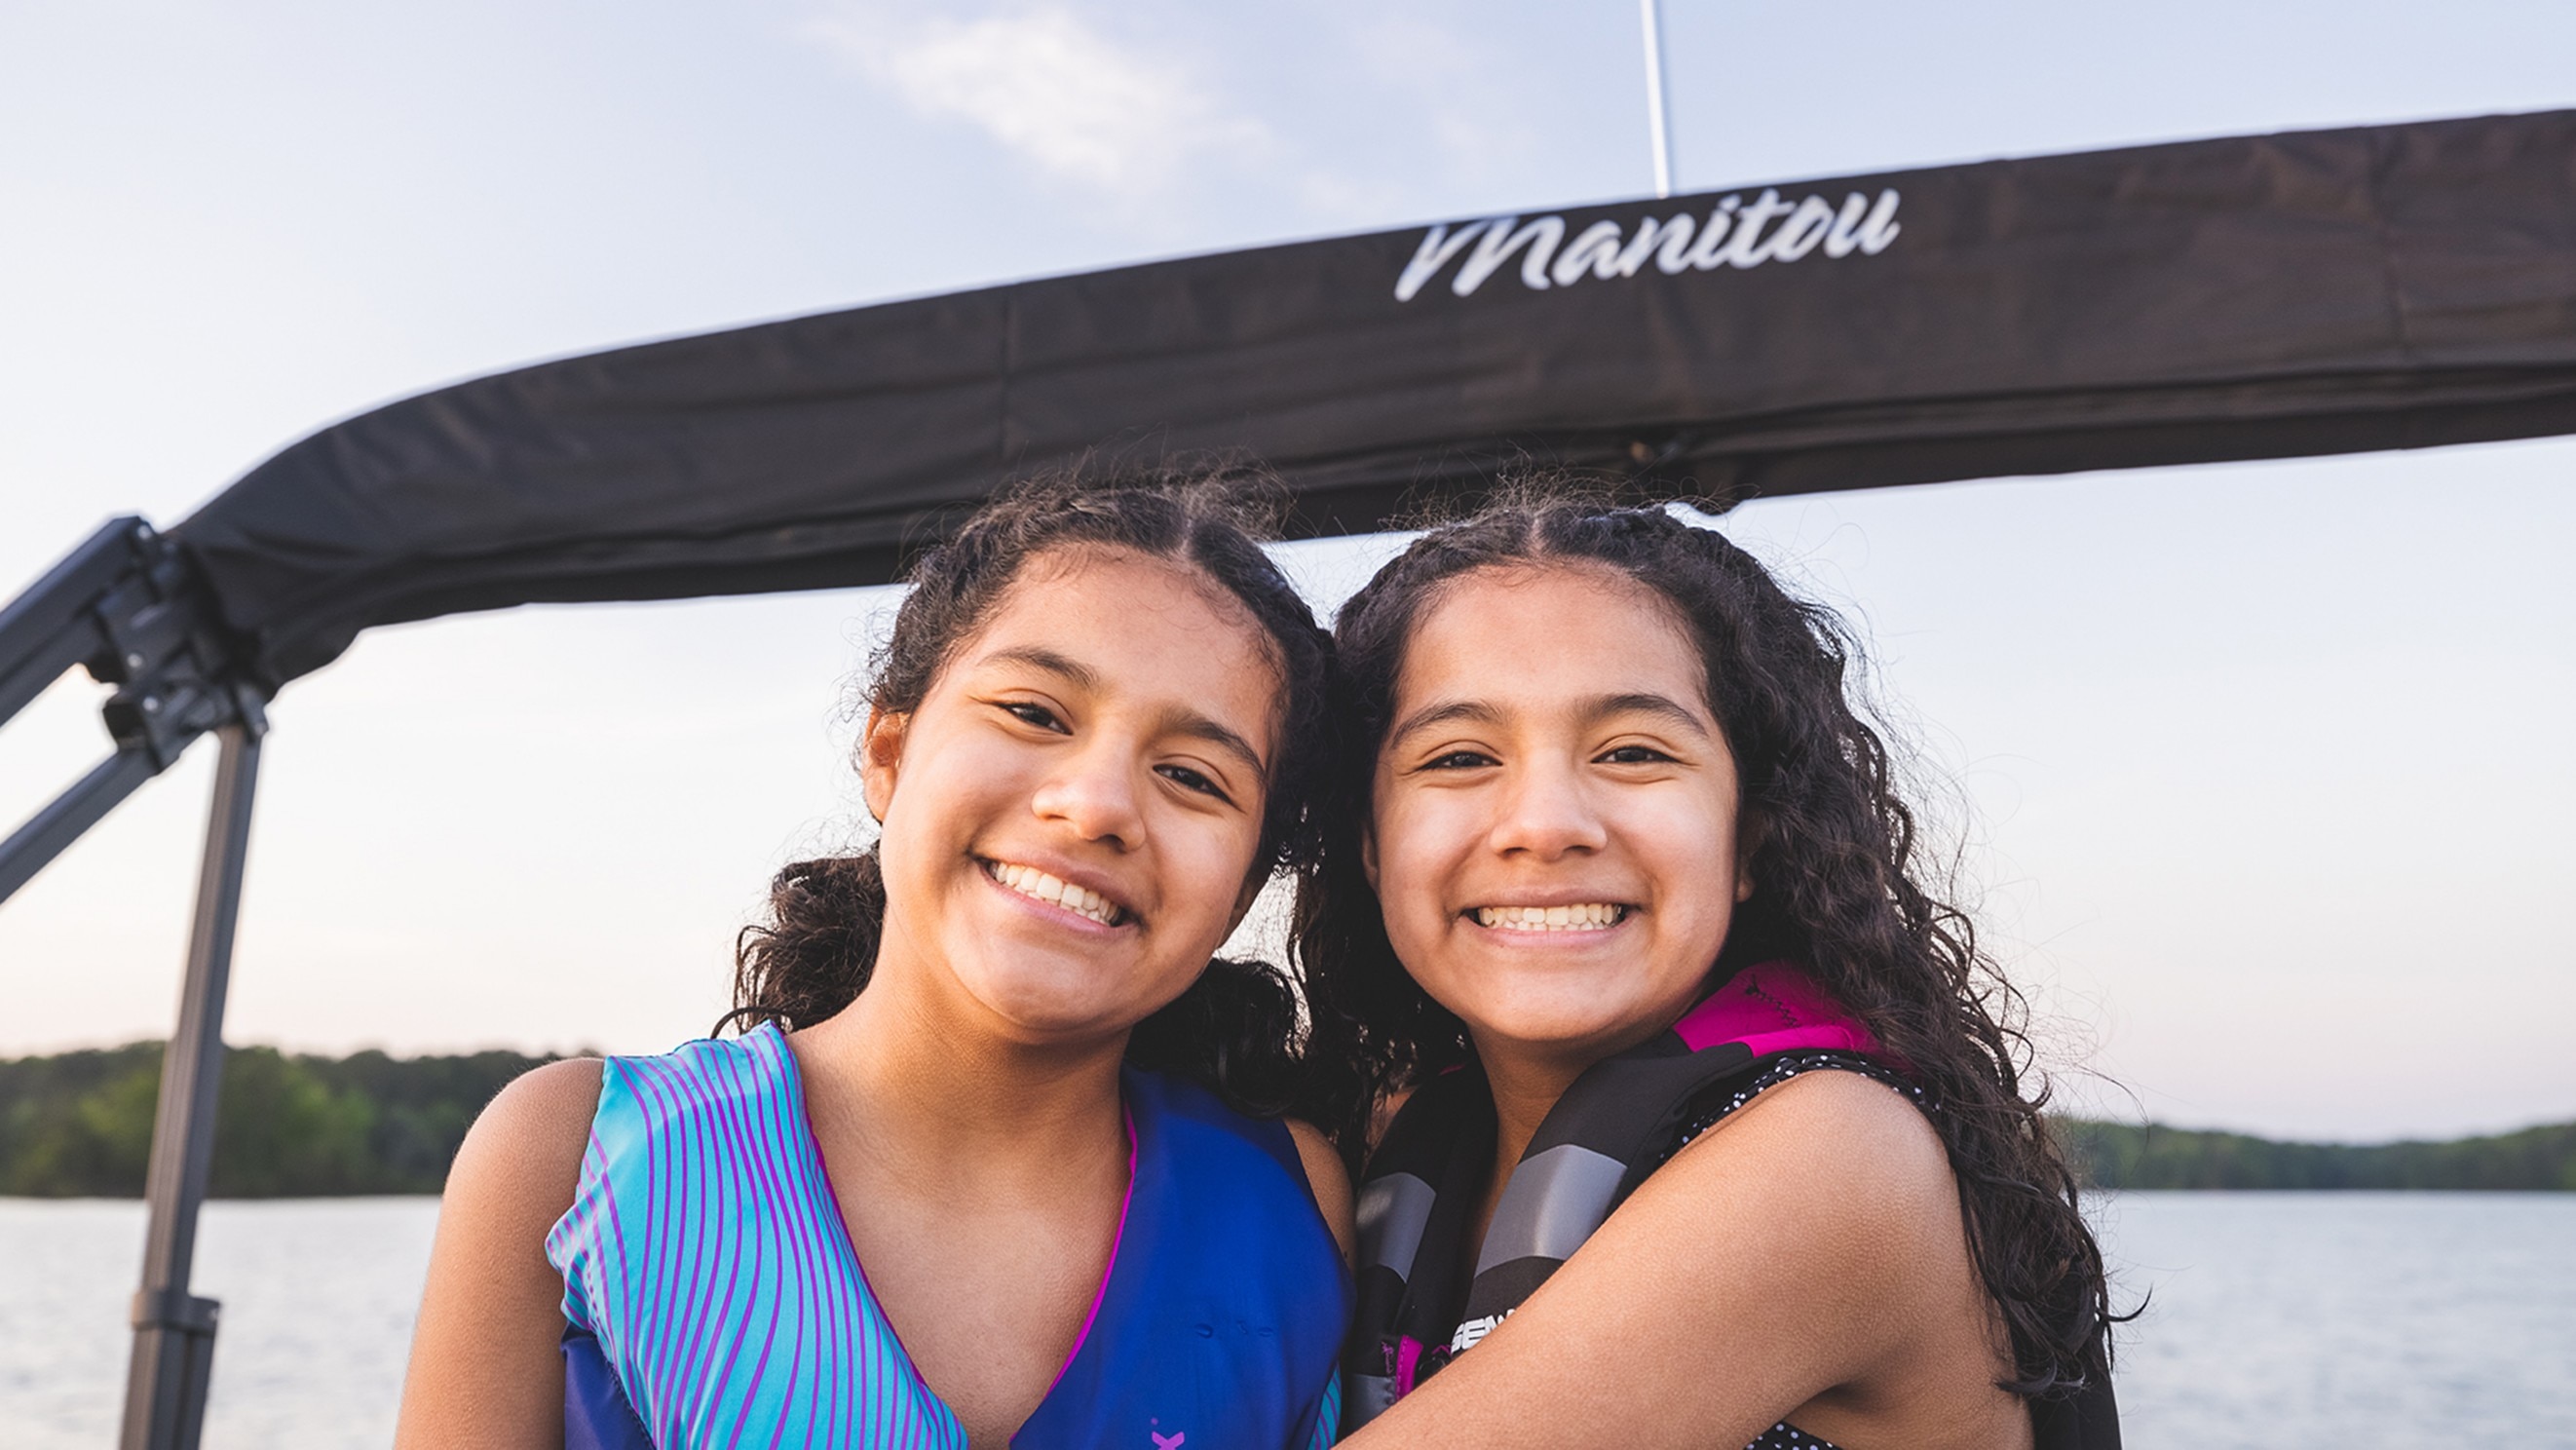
(880, 759)
(1368, 854)
(1749, 832)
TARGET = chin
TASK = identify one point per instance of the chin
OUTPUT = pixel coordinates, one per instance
(1051, 1019)
(1040, 1006)
(1051, 1009)
(1553, 1025)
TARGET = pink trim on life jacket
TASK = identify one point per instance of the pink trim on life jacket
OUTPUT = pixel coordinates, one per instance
(1774, 1007)
(1408, 1360)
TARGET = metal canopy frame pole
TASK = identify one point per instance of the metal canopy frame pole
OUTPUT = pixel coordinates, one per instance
(1658, 107)
(70, 816)
(174, 1331)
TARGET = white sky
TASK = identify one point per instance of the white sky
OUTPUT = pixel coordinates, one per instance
(2261, 770)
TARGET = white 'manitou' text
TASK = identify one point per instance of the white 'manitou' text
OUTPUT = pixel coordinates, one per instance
(1733, 235)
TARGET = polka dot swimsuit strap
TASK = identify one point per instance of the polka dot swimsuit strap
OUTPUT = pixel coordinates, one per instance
(1726, 1098)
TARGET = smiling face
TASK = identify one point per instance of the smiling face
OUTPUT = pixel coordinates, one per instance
(1072, 813)
(1553, 825)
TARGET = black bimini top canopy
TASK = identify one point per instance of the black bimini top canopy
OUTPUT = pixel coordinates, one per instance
(2323, 292)
(2319, 292)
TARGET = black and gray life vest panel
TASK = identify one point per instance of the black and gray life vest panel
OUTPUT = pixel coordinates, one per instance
(1615, 1125)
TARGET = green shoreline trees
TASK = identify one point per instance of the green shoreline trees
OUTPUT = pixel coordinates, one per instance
(2131, 1156)
(79, 1125)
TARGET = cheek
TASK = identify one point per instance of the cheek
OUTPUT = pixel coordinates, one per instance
(944, 793)
(1206, 864)
(1418, 850)
(1691, 848)
(949, 800)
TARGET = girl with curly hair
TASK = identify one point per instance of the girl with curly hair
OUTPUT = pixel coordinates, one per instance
(996, 1156)
(1622, 945)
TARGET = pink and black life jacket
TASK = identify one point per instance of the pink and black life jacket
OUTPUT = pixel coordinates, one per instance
(1615, 1125)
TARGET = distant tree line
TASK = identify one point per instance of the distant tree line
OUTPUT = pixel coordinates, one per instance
(2130, 1155)
(79, 1125)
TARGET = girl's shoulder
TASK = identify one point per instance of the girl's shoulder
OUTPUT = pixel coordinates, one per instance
(1854, 1175)
(524, 1152)
(1724, 1098)
(1826, 1125)
(484, 1345)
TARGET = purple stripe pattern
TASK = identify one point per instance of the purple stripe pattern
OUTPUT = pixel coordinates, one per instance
(705, 1251)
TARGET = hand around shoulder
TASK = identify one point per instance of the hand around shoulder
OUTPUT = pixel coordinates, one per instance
(485, 1365)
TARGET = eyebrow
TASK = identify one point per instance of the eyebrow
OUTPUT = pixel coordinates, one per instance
(1199, 727)
(1602, 707)
(1590, 712)
(1475, 712)
(1072, 671)
(1180, 721)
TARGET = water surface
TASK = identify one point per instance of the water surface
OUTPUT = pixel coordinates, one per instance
(2344, 1321)
(2354, 1320)
(318, 1298)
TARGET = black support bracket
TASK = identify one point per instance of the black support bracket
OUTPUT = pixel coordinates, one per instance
(128, 606)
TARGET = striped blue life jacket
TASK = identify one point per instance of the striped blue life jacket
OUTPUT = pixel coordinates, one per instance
(713, 1298)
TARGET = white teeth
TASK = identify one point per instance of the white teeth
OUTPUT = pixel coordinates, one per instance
(1036, 885)
(1590, 916)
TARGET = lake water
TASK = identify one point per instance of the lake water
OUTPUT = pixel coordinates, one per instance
(2349, 1321)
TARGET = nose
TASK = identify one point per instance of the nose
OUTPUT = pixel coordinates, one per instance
(1093, 793)
(1545, 813)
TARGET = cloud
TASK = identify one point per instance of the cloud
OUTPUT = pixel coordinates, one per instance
(1078, 104)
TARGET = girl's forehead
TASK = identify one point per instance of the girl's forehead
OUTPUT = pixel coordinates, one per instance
(1085, 565)
(1132, 623)
(1586, 611)
(1087, 577)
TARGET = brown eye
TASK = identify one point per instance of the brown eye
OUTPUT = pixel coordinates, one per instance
(1633, 755)
(1459, 760)
(1188, 779)
(1032, 714)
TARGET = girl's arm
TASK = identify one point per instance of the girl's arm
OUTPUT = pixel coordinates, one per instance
(486, 1366)
(1803, 1259)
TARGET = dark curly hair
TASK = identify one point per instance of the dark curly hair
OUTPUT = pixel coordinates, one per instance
(1236, 1029)
(1836, 888)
